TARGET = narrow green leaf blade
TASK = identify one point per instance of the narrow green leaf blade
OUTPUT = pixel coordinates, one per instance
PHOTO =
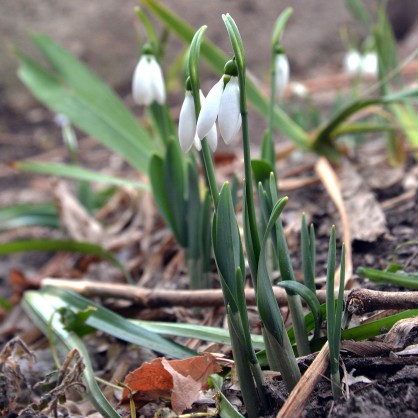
(89, 104)
(76, 173)
(113, 324)
(12, 247)
(309, 297)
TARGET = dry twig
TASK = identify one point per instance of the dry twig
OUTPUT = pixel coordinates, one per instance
(155, 298)
(296, 402)
(361, 301)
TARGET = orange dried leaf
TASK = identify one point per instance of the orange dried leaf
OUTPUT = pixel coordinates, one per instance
(149, 377)
(184, 378)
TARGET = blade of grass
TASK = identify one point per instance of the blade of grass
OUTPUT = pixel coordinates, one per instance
(53, 245)
(72, 89)
(201, 332)
(76, 173)
(399, 279)
(16, 216)
(113, 324)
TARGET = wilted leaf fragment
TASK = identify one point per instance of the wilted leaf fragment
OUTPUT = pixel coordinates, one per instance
(180, 379)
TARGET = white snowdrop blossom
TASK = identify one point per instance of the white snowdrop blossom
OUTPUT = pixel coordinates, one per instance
(148, 81)
(299, 90)
(369, 64)
(352, 62)
(187, 126)
(223, 103)
(281, 64)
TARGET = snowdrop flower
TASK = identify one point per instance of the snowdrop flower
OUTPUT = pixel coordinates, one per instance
(222, 102)
(299, 90)
(281, 65)
(148, 81)
(352, 62)
(369, 64)
(187, 125)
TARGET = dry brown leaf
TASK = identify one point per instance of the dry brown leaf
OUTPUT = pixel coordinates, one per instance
(183, 378)
(79, 225)
(369, 221)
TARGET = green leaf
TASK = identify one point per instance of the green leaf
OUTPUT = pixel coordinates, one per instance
(309, 297)
(280, 25)
(261, 170)
(227, 241)
(149, 29)
(75, 172)
(76, 321)
(201, 332)
(249, 245)
(23, 246)
(359, 11)
(330, 289)
(326, 132)
(107, 321)
(16, 216)
(194, 55)
(175, 189)
(216, 59)
(409, 280)
(75, 91)
(266, 301)
(41, 311)
(5, 304)
(193, 212)
(156, 175)
(308, 255)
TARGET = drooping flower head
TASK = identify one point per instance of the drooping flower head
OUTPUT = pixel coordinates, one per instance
(148, 81)
(222, 102)
(352, 62)
(187, 124)
(281, 66)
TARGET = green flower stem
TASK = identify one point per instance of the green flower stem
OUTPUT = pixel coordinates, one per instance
(199, 279)
(296, 312)
(248, 174)
(249, 391)
(239, 53)
(193, 66)
(269, 140)
(164, 124)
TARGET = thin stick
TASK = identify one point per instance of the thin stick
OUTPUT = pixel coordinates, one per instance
(296, 402)
(361, 301)
(156, 298)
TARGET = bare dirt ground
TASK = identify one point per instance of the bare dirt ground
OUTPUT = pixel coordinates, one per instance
(381, 201)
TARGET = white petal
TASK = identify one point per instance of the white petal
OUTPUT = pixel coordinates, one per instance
(282, 74)
(352, 62)
(229, 117)
(157, 83)
(197, 143)
(212, 135)
(369, 64)
(187, 123)
(210, 109)
(141, 82)
(212, 138)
